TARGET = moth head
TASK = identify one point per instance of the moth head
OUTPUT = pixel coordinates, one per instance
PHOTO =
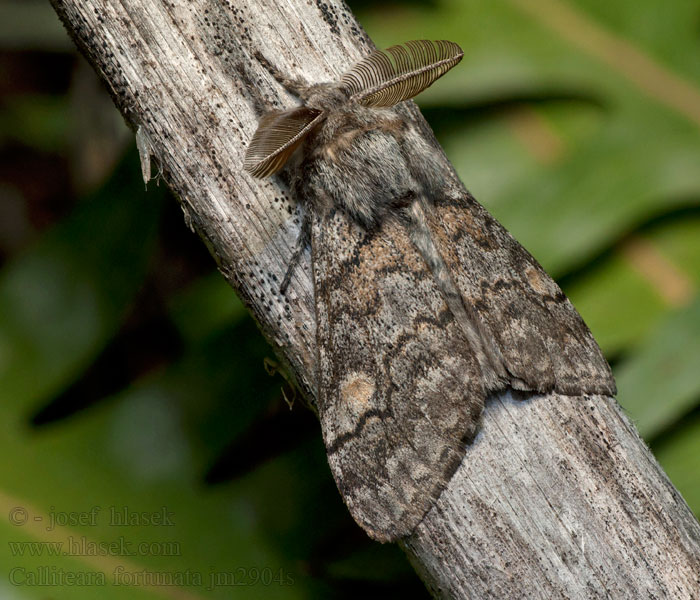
(384, 78)
(326, 97)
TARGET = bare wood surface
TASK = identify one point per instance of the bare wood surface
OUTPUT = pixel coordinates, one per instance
(558, 497)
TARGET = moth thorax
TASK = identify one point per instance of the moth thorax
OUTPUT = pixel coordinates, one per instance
(327, 96)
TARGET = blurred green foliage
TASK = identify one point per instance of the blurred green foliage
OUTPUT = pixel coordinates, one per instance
(130, 376)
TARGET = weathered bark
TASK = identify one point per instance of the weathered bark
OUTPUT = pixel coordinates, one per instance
(558, 497)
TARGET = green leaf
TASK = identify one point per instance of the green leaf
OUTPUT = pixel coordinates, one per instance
(208, 305)
(38, 121)
(679, 455)
(145, 452)
(62, 300)
(659, 384)
(629, 292)
(31, 24)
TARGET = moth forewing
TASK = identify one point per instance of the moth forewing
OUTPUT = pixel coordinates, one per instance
(399, 389)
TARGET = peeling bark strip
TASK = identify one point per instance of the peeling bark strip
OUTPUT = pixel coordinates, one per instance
(558, 497)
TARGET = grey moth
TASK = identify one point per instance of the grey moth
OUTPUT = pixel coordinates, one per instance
(425, 304)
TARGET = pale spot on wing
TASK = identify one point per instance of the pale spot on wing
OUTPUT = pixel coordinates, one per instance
(356, 398)
(356, 392)
(542, 285)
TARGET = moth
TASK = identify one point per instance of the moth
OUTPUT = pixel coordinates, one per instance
(425, 305)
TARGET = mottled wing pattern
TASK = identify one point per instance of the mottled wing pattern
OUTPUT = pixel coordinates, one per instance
(399, 389)
(544, 341)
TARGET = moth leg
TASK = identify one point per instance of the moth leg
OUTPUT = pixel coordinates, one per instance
(296, 86)
(303, 241)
